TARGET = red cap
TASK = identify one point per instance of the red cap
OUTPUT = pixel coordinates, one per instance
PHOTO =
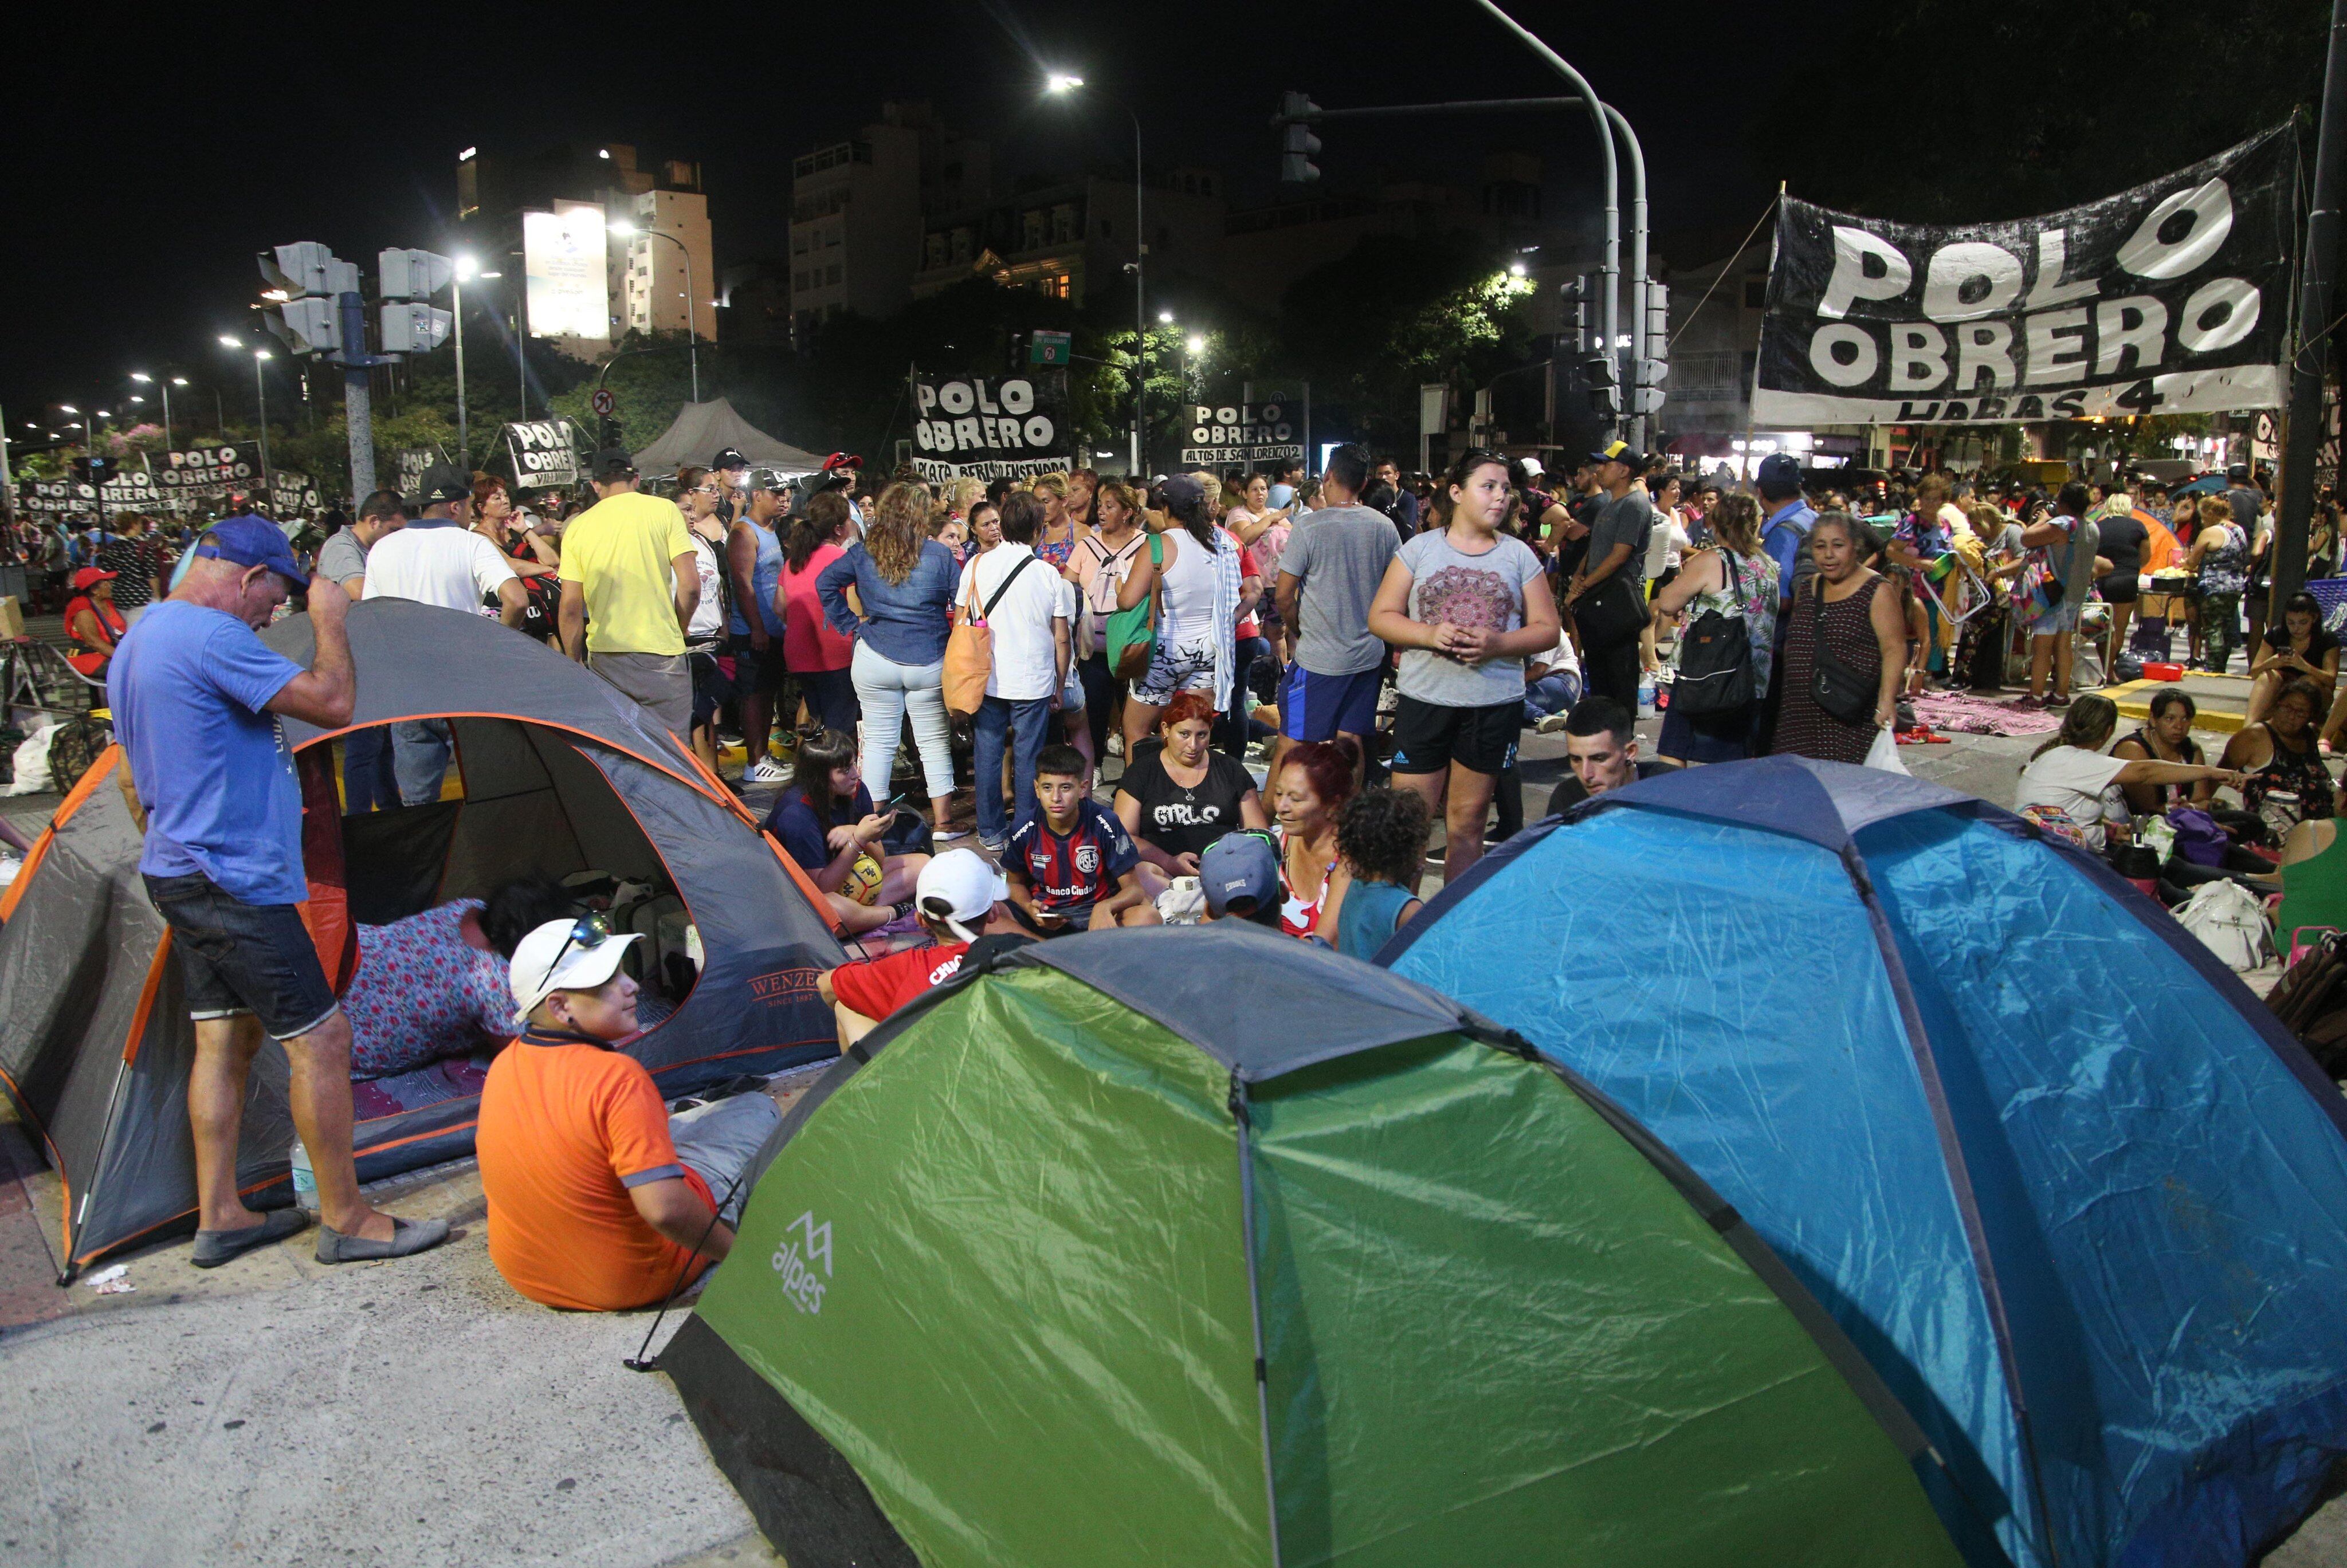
(89, 576)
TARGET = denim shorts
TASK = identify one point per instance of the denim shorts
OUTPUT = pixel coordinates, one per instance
(239, 958)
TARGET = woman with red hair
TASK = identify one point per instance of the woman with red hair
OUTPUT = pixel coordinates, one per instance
(1178, 795)
(1309, 787)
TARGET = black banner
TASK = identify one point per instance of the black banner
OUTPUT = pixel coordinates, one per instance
(1241, 435)
(545, 454)
(2173, 297)
(208, 470)
(989, 426)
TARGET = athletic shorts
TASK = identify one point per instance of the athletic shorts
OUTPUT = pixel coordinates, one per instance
(239, 958)
(1428, 737)
(1172, 669)
(1316, 707)
(757, 674)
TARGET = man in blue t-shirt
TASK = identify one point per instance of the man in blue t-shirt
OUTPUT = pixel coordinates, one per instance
(1070, 862)
(1785, 527)
(196, 697)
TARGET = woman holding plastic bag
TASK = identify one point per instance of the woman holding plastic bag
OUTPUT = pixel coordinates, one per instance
(1845, 653)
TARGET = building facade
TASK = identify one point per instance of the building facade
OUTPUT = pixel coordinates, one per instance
(856, 210)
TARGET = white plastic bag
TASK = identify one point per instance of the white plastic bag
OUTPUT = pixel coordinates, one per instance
(1884, 753)
(2230, 921)
(32, 775)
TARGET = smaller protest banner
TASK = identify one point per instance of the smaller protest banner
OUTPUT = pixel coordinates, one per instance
(545, 453)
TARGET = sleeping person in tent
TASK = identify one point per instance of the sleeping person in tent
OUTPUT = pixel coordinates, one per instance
(434, 986)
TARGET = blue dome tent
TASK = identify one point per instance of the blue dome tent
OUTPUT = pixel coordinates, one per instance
(2065, 1182)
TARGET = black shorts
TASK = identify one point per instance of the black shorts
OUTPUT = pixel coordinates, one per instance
(757, 674)
(239, 958)
(1428, 737)
(710, 687)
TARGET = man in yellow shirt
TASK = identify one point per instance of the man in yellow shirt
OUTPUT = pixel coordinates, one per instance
(629, 588)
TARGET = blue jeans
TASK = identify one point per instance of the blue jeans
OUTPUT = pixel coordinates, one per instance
(419, 759)
(368, 780)
(1023, 726)
(1551, 693)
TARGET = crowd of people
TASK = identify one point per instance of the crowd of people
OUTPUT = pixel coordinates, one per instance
(1249, 697)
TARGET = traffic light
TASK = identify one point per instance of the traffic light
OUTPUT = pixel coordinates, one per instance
(1654, 367)
(413, 275)
(411, 326)
(307, 268)
(1297, 144)
(1577, 307)
(1604, 384)
(307, 325)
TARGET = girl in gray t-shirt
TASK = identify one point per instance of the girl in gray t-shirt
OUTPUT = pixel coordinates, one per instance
(1465, 605)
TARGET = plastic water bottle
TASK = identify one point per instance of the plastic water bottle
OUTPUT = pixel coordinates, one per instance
(305, 1182)
(1646, 696)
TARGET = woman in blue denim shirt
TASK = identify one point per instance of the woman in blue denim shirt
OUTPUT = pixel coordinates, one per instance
(905, 581)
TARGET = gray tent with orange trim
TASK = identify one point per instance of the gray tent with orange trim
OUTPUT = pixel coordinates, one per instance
(555, 772)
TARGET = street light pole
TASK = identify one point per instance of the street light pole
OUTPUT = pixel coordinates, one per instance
(1062, 82)
(692, 300)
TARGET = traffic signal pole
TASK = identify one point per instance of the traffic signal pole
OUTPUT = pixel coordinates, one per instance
(2314, 323)
(1624, 358)
(358, 395)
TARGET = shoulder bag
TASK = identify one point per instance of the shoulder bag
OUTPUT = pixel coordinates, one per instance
(1131, 640)
(970, 646)
(1840, 690)
(1715, 666)
(1612, 612)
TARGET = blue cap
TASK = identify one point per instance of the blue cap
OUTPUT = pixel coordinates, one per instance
(252, 541)
(1779, 468)
(1238, 866)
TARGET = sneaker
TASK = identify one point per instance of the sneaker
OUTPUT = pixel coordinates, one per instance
(1116, 745)
(993, 846)
(766, 770)
(2057, 701)
(1551, 723)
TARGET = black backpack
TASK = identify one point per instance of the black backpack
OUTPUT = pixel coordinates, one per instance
(1715, 674)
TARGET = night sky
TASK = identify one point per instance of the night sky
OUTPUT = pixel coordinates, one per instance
(151, 163)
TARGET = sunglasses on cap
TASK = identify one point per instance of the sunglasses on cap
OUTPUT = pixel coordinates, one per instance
(590, 933)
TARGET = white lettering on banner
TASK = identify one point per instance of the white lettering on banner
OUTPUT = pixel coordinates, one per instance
(2137, 325)
(1964, 282)
(2148, 253)
(1825, 351)
(941, 471)
(2241, 304)
(955, 398)
(1018, 395)
(2055, 354)
(1853, 250)
(1226, 456)
(1984, 346)
(799, 1282)
(2053, 260)
(1919, 355)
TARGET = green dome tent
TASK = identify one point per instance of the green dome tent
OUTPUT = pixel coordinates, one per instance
(1207, 1246)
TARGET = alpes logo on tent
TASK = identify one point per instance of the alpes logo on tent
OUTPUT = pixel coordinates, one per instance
(799, 1280)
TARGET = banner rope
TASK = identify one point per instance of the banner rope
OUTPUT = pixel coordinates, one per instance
(1765, 213)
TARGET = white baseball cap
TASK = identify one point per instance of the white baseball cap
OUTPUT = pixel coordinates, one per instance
(959, 889)
(563, 955)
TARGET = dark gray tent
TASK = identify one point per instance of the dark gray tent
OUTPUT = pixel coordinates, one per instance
(559, 774)
(702, 430)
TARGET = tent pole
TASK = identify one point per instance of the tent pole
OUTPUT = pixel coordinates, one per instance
(1255, 1309)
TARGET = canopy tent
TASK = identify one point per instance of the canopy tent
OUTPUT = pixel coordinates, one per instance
(1202, 1245)
(557, 773)
(2074, 1191)
(702, 430)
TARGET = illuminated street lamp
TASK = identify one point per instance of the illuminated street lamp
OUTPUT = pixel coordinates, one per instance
(1059, 84)
(627, 230)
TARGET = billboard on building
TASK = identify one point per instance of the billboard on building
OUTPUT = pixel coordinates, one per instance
(989, 426)
(563, 256)
(2171, 298)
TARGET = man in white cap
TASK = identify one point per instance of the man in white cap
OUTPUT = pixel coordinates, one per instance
(598, 1200)
(960, 899)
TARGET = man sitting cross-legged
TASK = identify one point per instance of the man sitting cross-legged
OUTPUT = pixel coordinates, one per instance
(598, 1200)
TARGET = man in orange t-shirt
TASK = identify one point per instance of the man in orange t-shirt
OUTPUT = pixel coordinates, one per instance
(598, 1200)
